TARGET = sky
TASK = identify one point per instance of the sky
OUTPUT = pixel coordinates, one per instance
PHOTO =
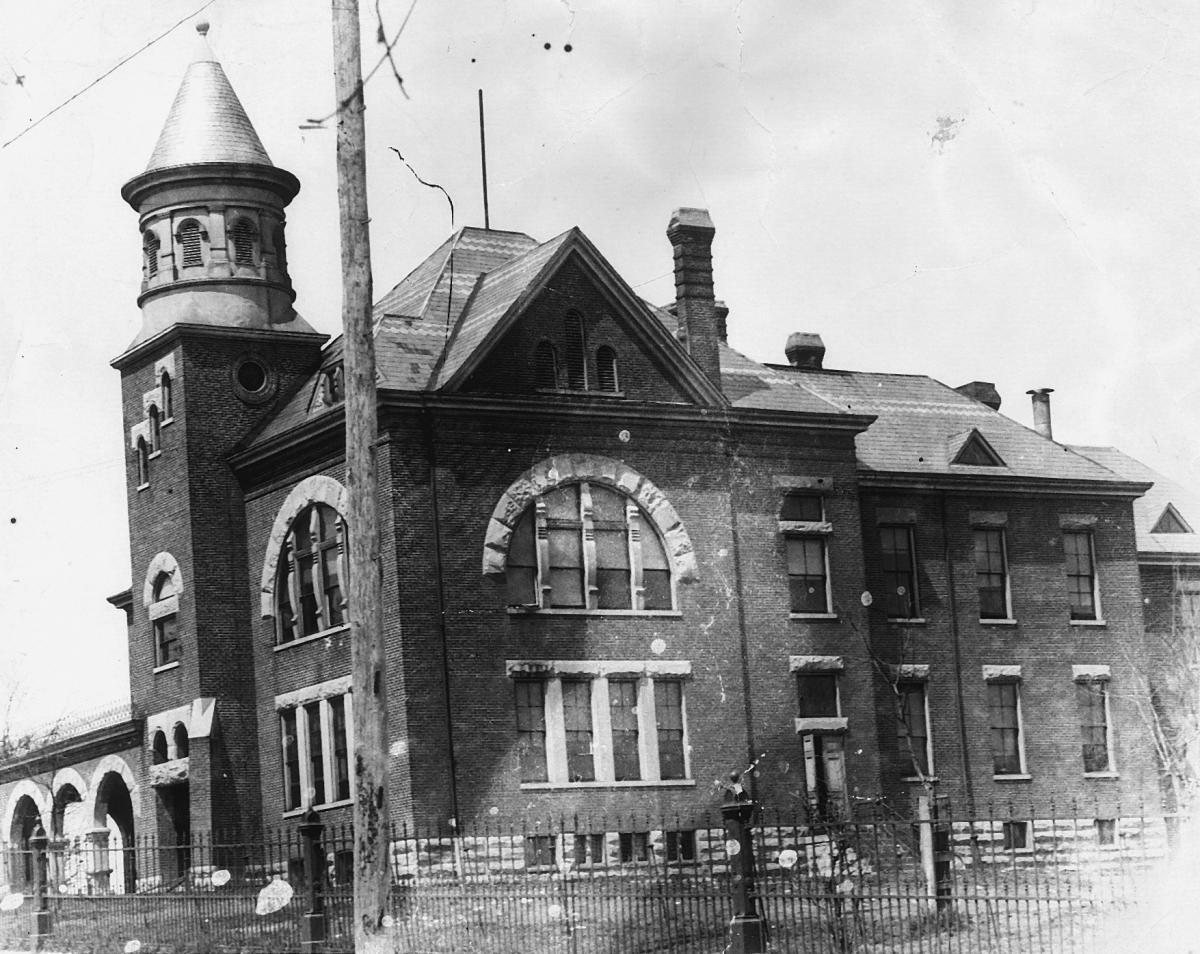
(1003, 192)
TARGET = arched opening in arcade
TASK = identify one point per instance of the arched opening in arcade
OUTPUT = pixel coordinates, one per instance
(25, 821)
(114, 811)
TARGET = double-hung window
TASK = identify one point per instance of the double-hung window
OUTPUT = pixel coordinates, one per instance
(912, 728)
(600, 722)
(315, 736)
(1082, 593)
(899, 564)
(164, 613)
(1004, 720)
(1092, 703)
(991, 573)
(806, 533)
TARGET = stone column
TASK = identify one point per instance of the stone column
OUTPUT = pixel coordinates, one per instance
(101, 870)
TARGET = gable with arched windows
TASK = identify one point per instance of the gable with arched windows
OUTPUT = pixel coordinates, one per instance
(580, 533)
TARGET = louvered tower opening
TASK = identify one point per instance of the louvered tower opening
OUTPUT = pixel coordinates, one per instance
(189, 243)
(545, 366)
(606, 368)
(243, 235)
(576, 353)
(150, 249)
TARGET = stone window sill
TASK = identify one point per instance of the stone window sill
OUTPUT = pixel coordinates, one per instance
(811, 616)
(153, 454)
(165, 421)
(907, 621)
(998, 622)
(916, 780)
(1089, 622)
(536, 611)
(641, 783)
(299, 812)
(1017, 777)
(165, 666)
(313, 637)
(1101, 774)
(145, 486)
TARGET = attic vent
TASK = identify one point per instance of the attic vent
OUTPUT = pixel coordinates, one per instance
(977, 452)
(150, 248)
(606, 368)
(242, 234)
(189, 242)
(1171, 522)
(545, 367)
(576, 353)
(331, 386)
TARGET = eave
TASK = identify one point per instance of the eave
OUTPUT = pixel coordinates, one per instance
(1018, 484)
(182, 329)
(1167, 558)
(89, 745)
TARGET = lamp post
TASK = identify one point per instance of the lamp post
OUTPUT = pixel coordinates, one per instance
(747, 930)
(41, 917)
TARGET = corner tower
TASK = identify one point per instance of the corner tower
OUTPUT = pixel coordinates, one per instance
(219, 350)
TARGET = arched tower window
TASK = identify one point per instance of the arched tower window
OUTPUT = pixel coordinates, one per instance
(155, 432)
(164, 612)
(164, 386)
(310, 596)
(243, 235)
(606, 369)
(150, 249)
(277, 238)
(143, 462)
(545, 366)
(189, 243)
(180, 738)
(159, 748)
(585, 546)
(576, 353)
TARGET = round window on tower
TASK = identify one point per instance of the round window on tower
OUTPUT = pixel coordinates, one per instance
(252, 379)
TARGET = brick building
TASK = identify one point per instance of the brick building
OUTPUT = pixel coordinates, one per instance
(620, 559)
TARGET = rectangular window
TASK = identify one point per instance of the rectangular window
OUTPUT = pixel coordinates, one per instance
(166, 638)
(1081, 574)
(634, 846)
(668, 716)
(316, 745)
(808, 508)
(681, 845)
(539, 851)
(585, 727)
(531, 729)
(818, 694)
(1016, 835)
(1106, 831)
(564, 523)
(1092, 700)
(623, 716)
(577, 726)
(991, 574)
(1004, 714)
(913, 728)
(807, 576)
(611, 526)
(899, 572)
(589, 849)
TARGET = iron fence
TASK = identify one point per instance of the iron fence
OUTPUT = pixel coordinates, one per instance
(1001, 881)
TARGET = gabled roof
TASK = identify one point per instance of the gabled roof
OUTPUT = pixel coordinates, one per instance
(1165, 495)
(921, 423)
(207, 122)
(435, 327)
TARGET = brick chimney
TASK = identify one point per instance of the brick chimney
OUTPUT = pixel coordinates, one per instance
(982, 391)
(1041, 411)
(805, 350)
(691, 233)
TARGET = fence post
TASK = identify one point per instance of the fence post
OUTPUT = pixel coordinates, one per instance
(41, 917)
(314, 871)
(98, 877)
(746, 930)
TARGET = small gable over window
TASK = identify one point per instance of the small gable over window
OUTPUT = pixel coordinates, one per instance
(1171, 522)
(972, 449)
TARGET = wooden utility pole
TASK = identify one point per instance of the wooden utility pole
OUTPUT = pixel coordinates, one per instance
(367, 659)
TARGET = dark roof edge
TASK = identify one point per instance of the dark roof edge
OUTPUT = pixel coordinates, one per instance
(211, 331)
(995, 483)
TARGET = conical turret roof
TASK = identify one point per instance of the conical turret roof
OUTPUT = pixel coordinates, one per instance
(207, 122)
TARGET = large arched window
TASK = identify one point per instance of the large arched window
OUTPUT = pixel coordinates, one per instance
(190, 244)
(584, 546)
(310, 595)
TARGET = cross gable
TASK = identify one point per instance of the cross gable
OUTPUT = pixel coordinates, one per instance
(972, 449)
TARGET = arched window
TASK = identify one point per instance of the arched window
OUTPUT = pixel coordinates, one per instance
(606, 368)
(243, 235)
(159, 748)
(584, 546)
(180, 737)
(143, 462)
(155, 434)
(189, 243)
(576, 353)
(150, 249)
(545, 366)
(164, 387)
(309, 592)
(164, 611)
